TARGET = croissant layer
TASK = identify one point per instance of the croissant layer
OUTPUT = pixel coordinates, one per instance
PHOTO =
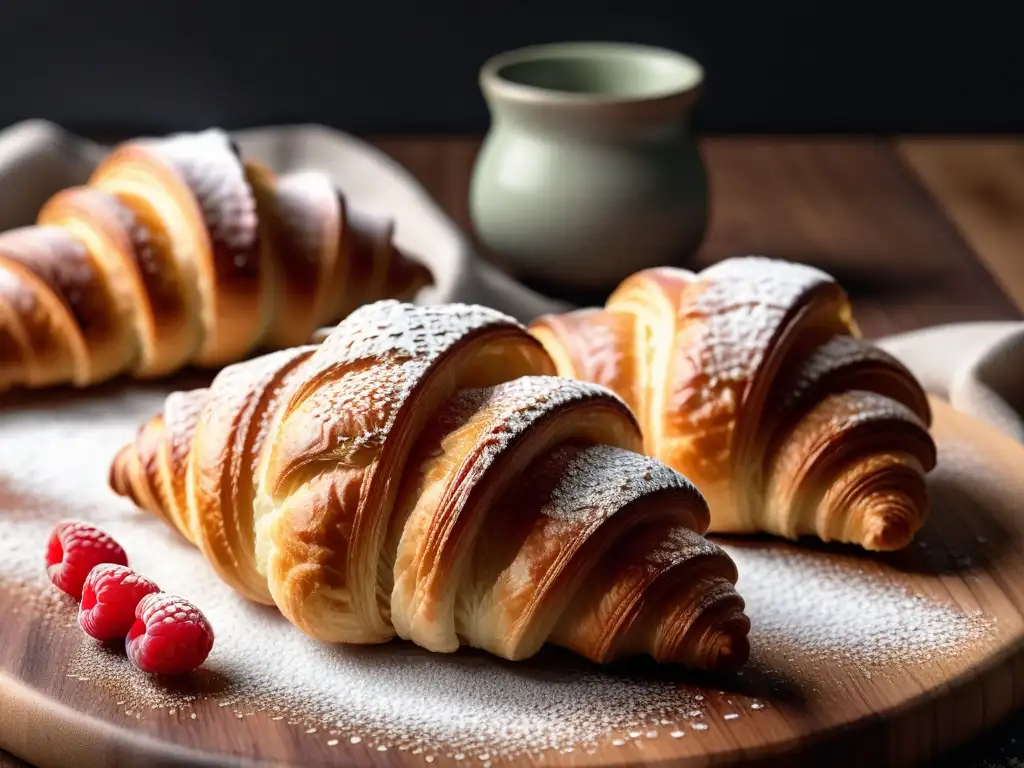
(421, 474)
(179, 251)
(751, 379)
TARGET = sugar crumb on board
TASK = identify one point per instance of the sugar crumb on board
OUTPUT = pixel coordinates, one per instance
(807, 606)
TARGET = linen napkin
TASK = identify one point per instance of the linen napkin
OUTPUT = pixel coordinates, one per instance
(977, 367)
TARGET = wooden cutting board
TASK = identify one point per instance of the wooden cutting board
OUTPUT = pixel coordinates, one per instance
(857, 660)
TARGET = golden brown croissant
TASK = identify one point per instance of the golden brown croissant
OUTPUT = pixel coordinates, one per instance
(750, 378)
(419, 474)
(178, 251)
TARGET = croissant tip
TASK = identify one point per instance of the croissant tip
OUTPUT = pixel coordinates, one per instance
(723, 646)
(733, 654)
(887, 532)
(728, 649)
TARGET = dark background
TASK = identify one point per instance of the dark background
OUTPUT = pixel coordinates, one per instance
(410, 65)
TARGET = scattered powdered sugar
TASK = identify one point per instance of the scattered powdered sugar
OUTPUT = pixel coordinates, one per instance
(395, 694)
(304, 200)
(54, 464)
(811, 608)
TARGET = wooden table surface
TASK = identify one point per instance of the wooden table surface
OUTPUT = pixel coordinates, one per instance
(919, 231)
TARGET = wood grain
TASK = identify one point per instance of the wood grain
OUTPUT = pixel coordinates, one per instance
(979, 183)
(874, 215)
(850, 206)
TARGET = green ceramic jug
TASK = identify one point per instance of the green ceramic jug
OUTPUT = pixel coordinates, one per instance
(589, 171)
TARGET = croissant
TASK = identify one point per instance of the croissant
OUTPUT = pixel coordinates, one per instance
(751, 379)
(178, 252)
(421, 474)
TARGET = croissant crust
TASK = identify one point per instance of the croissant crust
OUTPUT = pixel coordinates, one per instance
(421, 474)
(751, 379)
(179, 251)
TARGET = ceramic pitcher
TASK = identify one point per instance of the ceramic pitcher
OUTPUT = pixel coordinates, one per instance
(589, 171)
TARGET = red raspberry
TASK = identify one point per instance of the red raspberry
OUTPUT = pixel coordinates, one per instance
(74, 549)
(109, 598)
(169, 636)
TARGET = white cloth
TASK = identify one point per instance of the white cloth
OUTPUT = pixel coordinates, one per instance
(977, 367)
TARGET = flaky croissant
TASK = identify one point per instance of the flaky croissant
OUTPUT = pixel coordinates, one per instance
(750, 378)
(180, 252)
(419, 474)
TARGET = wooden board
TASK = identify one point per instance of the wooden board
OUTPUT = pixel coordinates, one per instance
(938, 666)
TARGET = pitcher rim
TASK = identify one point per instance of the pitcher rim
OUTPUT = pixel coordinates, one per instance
(492, 82)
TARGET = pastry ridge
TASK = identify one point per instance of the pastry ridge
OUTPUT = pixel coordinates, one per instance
(180, 251)
(730, 369)
(422, 474)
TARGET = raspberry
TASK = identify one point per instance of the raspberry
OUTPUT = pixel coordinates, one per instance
(74, 549)
(109, 598)
(169, 636)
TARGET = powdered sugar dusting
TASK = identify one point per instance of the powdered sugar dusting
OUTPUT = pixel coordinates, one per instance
(303, 200)
(67, 269)
(603, 477)
(809, 607)
(726, 323)
(848, 409)
(742, 302)
(398, 330)
(144, 245)
(384, 349)
(214, 173)
(394, 696)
